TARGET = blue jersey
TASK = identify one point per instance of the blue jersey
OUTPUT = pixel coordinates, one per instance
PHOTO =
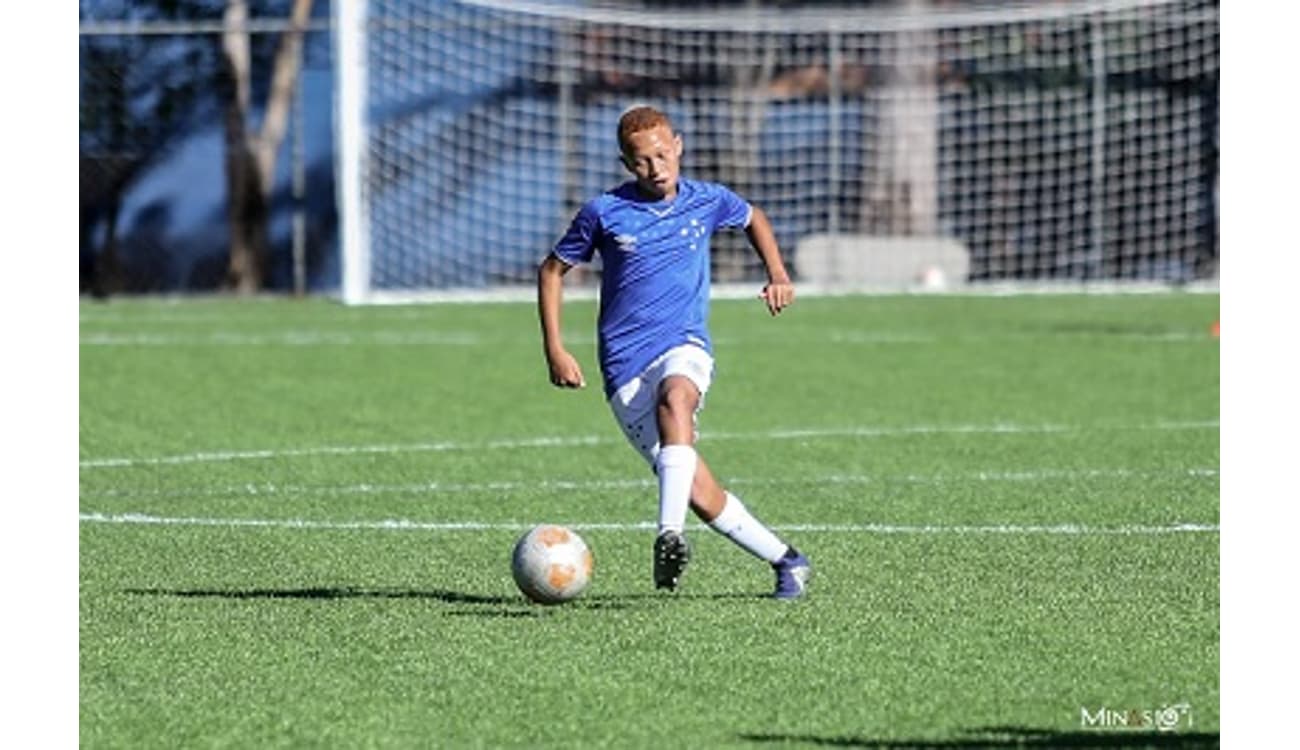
(654, 287)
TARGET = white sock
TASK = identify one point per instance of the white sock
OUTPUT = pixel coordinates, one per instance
(675, 465)
(737, 524)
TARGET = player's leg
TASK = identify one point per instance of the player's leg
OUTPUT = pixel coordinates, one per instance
(655, 404)
(727, 515)
(678, 400)
(680, 379)
(675, 409)
(664, 399)
(658, 413)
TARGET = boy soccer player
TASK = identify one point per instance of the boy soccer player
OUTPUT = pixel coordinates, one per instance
(656, 357)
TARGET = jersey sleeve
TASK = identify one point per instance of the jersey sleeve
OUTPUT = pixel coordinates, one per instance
(733, 211)
(579, 243)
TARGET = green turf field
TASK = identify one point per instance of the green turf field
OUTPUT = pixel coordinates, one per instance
(297, 517)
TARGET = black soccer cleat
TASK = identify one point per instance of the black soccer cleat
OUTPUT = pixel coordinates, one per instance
(671, 555)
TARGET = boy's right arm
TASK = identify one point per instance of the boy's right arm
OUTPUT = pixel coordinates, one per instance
(565, 372)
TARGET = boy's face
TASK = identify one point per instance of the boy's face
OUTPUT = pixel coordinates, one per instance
(654, 157)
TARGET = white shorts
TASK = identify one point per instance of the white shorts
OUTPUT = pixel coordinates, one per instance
(634, 404)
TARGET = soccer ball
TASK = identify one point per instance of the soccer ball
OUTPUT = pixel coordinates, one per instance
(551, 564)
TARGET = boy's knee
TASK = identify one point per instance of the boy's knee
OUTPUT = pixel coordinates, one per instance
(679, 396)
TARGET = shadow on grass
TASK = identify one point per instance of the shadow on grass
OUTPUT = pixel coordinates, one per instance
(479, 604)
(482, 605)
(999, 738)
(666, 596)
(329, 592)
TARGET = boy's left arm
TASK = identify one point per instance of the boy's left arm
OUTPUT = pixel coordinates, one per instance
(778, 293)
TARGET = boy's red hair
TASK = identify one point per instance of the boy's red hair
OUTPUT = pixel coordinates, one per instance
(637, 119)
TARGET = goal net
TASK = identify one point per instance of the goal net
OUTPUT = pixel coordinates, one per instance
(892, 144)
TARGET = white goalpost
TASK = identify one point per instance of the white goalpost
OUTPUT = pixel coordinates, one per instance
(350, 114)
(897, 145)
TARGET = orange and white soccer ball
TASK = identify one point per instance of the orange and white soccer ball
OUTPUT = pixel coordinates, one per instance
(551, 564)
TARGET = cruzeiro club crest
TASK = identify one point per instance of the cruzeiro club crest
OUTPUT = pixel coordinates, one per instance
(693, 233)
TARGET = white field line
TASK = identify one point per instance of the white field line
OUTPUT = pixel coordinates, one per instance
(399, 337)
(424, 338)
(181, 313)
(284, 338)
(267, 489)
(588, 440)
(403, 524)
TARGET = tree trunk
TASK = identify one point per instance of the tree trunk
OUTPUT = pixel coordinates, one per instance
(251, 155)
